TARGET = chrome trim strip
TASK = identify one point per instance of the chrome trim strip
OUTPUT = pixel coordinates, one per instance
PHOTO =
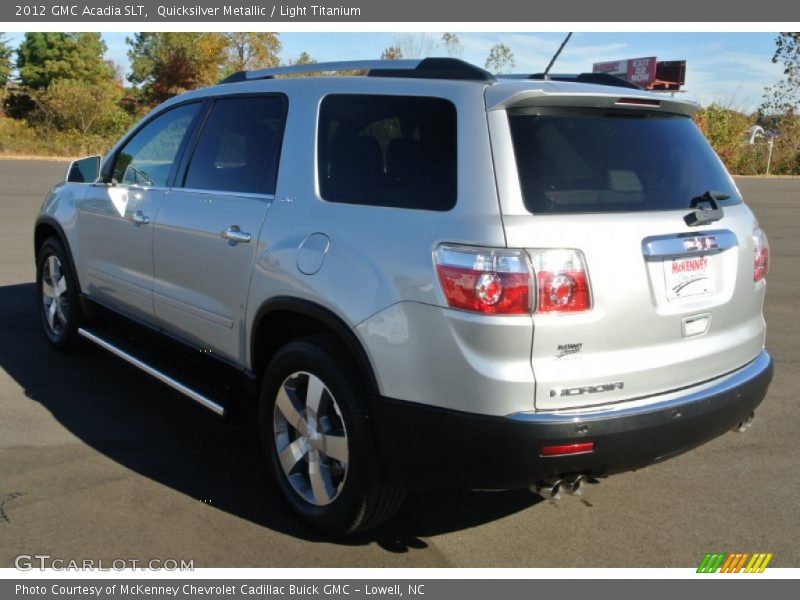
(665, 246)
(267, 197)
(734, 380)
(153, 372)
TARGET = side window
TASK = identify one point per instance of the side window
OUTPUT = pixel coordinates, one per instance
(239, 147)
(397, 151)
(147, 158)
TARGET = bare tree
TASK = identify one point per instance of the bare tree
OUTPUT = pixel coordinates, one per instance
(415, 45)
(451, 45)
(500, 59)
(391, 53)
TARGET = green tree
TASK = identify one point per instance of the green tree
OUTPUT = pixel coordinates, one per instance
(500, 59)
(5, 60)
(252, 50)
(43, 57)
(784, 97)
(76, 106)
(168, 63)
(304, 59)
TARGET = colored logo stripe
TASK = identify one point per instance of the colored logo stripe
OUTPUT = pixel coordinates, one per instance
(734, 562)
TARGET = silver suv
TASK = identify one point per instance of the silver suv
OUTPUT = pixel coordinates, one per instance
(428, 277)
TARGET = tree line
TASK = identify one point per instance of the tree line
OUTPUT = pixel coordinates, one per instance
(60, 95)
(728, 129)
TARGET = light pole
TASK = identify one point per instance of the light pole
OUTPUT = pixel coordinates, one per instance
(756, 131)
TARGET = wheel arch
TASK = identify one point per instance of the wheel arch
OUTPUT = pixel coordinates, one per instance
(45, 228)
(288, 318)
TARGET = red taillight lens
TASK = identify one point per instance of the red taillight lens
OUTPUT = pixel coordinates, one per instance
(562, 284)
(567, 449)
(760, 255)
(486, 280)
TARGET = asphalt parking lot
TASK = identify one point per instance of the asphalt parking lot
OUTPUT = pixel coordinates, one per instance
(98, 461)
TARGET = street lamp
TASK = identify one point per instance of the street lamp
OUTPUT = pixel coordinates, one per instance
(756, 132)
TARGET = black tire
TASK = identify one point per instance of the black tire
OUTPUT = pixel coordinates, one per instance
(365, 498)
(63, 332)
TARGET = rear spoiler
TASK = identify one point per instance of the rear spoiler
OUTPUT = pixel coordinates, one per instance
(522, 93)
(595, 78)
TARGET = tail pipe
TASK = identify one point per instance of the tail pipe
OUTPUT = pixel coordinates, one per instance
(552, 489)
(577, 486)
(746, 424)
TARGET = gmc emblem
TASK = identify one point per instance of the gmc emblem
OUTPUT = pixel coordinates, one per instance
(698, 244)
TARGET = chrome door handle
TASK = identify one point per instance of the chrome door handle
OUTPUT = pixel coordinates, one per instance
(235, 235)
(139, 218)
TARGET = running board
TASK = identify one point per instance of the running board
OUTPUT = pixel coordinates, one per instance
(202, 399)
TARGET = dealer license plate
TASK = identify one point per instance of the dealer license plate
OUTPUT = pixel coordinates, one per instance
(689, 277)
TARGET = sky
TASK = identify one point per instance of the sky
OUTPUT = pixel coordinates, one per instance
(729, 68)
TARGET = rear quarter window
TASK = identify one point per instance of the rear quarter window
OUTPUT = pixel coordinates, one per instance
(394, 151)
(595, 161)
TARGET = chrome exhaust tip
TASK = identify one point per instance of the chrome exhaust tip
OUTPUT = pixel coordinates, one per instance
(577, 486)
(746, 424)
(550, 489)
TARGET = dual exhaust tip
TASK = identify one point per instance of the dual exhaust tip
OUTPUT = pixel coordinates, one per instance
(553, 489)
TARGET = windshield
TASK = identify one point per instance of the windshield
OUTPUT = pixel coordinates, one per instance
(595, 161)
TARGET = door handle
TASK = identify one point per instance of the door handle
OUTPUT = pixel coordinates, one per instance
(139, 218)
(235, 235)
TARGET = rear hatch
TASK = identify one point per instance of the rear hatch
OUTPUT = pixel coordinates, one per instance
(614, 177)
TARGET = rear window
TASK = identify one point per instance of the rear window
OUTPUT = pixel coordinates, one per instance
(592, 161)
(396, 151)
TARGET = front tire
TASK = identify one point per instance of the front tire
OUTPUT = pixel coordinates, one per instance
(58, 300)
(317, 437)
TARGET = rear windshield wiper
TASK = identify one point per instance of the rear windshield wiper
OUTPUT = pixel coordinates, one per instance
(703, 215)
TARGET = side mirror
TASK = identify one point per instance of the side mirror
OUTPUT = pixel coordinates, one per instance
(84, 170)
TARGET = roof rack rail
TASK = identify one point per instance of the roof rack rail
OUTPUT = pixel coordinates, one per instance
(596, 78)
(426, 68)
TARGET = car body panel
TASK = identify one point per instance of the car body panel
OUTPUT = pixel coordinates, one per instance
(376, 272)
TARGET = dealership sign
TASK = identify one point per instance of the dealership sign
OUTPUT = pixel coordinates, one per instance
(641, 71)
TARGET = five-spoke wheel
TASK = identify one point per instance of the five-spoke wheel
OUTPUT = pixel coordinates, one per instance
(59, 308)
(310, 438)
(317, 434)
(54, 295)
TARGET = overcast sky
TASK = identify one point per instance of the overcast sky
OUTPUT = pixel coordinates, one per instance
(732, 68)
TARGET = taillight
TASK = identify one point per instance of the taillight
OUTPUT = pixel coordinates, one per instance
(562, 284)
(760, 255)
(492, 281)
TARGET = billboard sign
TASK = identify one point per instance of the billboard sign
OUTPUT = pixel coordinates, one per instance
(641, 71)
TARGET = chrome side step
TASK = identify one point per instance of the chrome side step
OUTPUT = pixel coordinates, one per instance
(210, 404)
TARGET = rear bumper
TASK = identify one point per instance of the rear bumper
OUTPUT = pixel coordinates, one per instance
(431, 448)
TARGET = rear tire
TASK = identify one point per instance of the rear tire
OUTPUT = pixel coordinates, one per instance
(57, 296)
(318, 440)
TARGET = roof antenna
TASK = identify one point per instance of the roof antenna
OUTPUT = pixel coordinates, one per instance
(556, 55)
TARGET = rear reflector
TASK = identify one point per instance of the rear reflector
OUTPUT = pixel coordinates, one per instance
(567, 449)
